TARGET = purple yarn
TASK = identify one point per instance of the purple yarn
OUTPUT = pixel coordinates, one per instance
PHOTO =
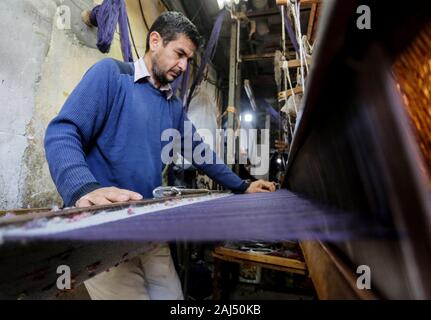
(209, 53)
(93, 16)
(281, 215)
(182, 81)
(275, 116)
(176, 84)
(271, 111)
(185, 84)
(126, 48)
(290, 32)
(105, 17)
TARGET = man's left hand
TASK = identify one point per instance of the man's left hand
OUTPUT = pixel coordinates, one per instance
(261, 186)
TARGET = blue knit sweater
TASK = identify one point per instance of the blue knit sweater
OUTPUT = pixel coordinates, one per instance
(108, 134)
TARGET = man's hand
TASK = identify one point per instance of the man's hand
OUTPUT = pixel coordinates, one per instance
(261, 186)
(104, 196)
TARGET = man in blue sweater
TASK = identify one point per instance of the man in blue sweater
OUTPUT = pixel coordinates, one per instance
(105, 146)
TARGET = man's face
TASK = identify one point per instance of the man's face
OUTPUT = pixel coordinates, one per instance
(170, 61)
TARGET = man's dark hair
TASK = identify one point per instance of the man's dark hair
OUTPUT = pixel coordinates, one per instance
(170, 25)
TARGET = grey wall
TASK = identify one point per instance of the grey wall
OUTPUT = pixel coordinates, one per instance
(41, 61)
(40, 65)
(25, 34)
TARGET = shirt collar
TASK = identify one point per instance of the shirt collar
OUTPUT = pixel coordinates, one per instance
(141, 72)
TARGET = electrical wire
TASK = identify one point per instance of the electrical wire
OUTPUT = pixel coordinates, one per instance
(133, 40)
(143, 16)
(197, 12)
(165, 5)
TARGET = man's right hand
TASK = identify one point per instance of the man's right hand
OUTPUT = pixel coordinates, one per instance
(104, 196)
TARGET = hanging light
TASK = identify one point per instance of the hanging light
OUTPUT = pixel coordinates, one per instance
(228, 3)
(221, 4)
(248, 117)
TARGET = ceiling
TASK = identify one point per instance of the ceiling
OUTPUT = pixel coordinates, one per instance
(265, 12)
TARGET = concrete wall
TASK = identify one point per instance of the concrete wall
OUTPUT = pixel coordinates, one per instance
(40, 64)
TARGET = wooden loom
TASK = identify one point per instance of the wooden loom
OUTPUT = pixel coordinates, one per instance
(364, 150)
(355, 149)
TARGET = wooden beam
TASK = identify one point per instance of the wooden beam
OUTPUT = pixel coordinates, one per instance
(263, 258)
(283, 95)
(260, 264)
(257, 57)
(263, 13)
(26, 215)
(331, 277)
(296, 63)
(311, 21)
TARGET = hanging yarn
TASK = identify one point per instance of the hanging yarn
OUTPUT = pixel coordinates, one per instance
(291, 32)
(105, 17)
(209, 53)
(183, 83)
(275, 116)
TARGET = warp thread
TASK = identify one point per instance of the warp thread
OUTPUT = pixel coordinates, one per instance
(271, 217)
(291, 32)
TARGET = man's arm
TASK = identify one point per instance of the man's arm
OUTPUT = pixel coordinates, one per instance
(217, 170)
(71, 133)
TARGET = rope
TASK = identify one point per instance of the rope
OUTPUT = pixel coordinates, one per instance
(287, 25)
(230, 109)
(286, 71)
(295, 10)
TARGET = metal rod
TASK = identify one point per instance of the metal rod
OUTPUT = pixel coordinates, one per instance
(231, 100)
(283, 31)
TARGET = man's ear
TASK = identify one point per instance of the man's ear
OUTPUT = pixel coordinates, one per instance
(156, 40)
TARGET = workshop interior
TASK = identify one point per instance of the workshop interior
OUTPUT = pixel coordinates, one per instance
(328, 99)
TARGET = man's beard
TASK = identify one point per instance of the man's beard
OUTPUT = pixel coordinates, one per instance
(159, 75)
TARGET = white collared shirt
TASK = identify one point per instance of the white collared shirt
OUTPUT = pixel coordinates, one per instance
(141, 72)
